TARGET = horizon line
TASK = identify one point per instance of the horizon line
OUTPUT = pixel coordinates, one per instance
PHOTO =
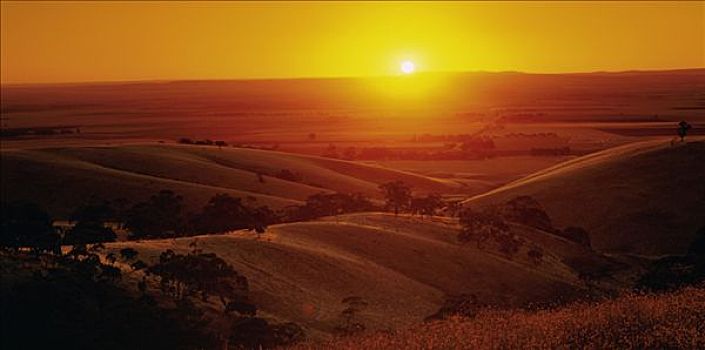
(147, 80)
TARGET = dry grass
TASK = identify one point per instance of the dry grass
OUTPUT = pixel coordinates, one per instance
(627, 197)
(402, 266)
(136, 171)
(670, 321)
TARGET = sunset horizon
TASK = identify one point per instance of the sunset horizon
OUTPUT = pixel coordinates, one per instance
(377, 175)
(468, 72)
(69, 42)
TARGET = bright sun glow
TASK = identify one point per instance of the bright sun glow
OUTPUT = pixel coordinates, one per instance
(407, 67)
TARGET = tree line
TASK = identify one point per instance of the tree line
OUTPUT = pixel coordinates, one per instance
(79, 300)
(163, 215)
(491, 227)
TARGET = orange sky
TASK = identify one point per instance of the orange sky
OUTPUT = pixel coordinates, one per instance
(100, 41)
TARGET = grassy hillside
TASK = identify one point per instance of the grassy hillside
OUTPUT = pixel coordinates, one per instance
(670, 321)
(62, 178)
(403, 267)
(641, 198)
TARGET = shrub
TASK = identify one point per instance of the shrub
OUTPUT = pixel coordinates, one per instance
(575, 234)
(480, 227)
(288, 175)
(397, 195)
(158, 217)
(224, 213)
(528, 211)
(27, 225)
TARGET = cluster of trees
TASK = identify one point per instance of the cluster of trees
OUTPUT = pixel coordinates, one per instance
(458, 138)
(528, 211)
(288, 175)
(456, 147)
(77, 300)
(39, 131)
(163, 215)
(399, 198)
(451, 151)
(329, 204)
(205, 142)
(25, 225)
(492, 225)
(481, 227)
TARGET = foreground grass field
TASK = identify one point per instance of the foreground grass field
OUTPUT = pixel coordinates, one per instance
(668, 321)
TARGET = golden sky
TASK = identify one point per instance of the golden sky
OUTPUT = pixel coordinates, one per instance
(101, 41)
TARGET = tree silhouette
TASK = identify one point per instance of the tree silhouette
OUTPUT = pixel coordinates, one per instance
(397, 195)
(200, 276)
(158, 217)
(87, 232)
(27, 225)
(528, 211)
(353, 306)
(480, 227)
(330, 204)
(576, 234)
(288, 175)
(77, 302)
(90, 224)
(427, 205)
(128, 253)
(683, 128)
(535, 254)
(509, 244)
(224, 213)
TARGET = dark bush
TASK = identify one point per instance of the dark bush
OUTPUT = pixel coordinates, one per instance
(158, 217)
(27, 225)
(288, 175)
(480, 226)
(225, 213)
(575, 234)
(528, 211)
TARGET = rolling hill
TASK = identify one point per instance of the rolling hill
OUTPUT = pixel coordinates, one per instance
(404, 267)
(60, 179)
(643, 198)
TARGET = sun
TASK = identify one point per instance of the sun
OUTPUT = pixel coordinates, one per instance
(407, 67)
